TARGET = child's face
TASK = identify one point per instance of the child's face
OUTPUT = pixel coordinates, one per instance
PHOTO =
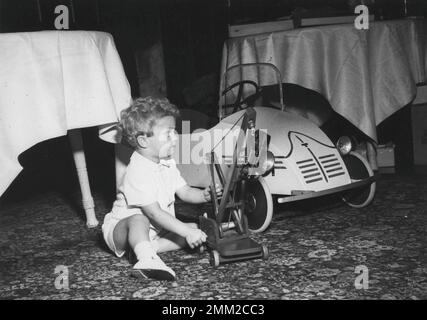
(163, 141)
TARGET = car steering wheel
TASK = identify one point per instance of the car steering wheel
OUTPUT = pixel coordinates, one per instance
(240, 104)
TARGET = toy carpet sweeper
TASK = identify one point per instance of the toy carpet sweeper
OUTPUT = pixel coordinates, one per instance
(227, 225)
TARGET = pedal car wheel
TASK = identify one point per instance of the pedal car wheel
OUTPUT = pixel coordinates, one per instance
(265, 253)
(359, 168)
(259, 205)
(214, 258)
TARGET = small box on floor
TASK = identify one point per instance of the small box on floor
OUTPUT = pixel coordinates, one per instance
(385, 158)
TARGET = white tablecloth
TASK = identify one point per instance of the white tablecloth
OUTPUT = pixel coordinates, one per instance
(53, 81)
(366, 75)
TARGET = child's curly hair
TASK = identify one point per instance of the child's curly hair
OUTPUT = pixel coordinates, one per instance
(141, 116)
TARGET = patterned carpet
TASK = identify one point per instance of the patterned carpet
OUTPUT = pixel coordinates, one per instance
(315, 249)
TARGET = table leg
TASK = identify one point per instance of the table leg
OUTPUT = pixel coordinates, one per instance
(122, 154)
(372, 155)
(80, 162)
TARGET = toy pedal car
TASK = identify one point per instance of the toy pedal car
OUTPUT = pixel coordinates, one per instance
(304, 164)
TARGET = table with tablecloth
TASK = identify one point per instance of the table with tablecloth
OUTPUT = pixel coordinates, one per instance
(52, 82)
(366, 75)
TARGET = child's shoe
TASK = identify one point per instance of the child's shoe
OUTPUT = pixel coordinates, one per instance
(152, 267)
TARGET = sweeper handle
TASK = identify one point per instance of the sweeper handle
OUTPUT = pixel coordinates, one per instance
(236, 172)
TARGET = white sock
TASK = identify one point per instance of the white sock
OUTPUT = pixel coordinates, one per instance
(143, 250)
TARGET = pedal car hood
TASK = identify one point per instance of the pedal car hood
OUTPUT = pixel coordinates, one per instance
(305, 158)
(284, 127)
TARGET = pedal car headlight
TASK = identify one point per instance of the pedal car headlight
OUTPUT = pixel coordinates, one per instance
(269, 163)
(344, 145)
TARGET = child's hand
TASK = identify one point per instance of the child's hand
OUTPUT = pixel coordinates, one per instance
(195, 238)
(207, 192)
